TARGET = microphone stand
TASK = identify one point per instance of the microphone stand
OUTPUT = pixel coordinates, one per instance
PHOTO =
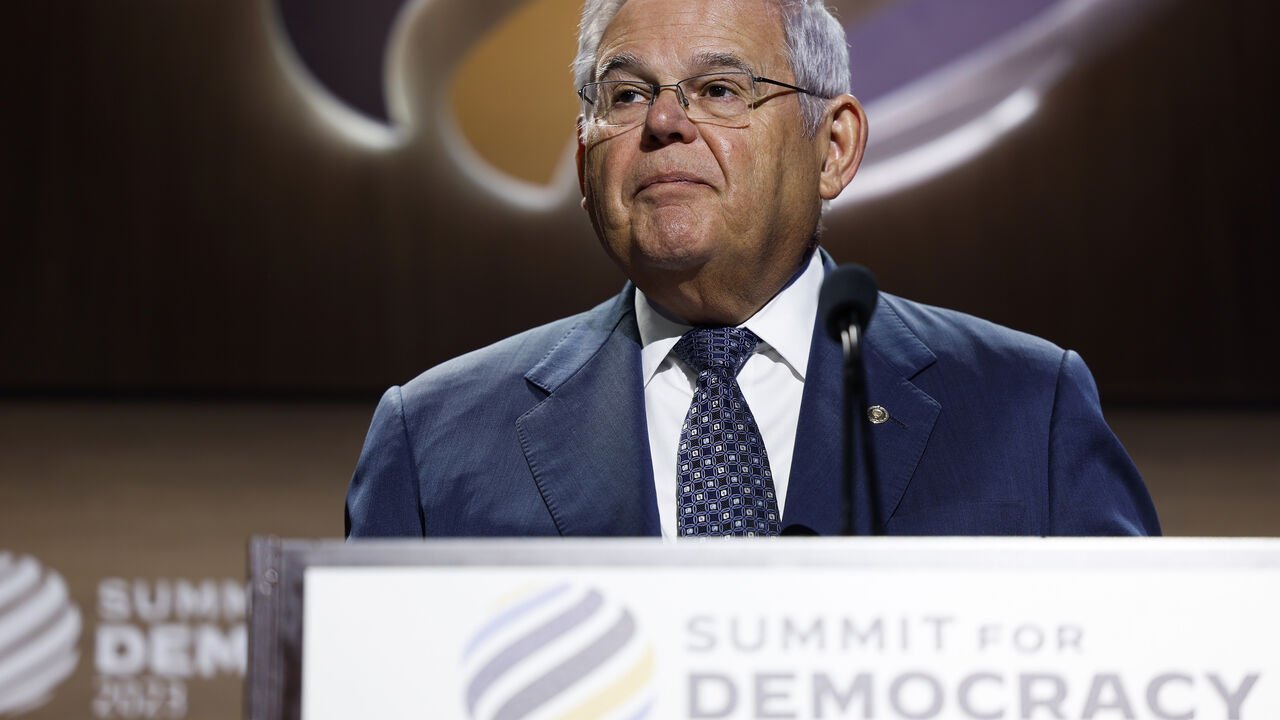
(854, 386)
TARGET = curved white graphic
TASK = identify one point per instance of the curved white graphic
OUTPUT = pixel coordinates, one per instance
(39, 628)
(558, 652)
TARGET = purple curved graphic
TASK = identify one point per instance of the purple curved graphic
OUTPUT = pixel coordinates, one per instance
(907, 40)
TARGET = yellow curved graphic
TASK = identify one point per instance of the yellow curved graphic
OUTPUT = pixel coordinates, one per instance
(513, 96)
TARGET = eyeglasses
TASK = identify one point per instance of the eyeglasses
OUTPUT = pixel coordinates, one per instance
(724, 98)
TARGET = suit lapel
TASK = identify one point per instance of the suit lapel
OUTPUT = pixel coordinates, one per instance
(892, 356)
(813, 491)
(586, 442)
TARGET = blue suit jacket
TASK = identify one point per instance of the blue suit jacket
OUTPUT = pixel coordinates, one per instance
(993, 432)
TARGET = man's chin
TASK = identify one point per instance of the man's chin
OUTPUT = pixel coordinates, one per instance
(673, 247)
(674, 261)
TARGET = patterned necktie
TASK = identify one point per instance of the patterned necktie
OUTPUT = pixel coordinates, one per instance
(722, 472)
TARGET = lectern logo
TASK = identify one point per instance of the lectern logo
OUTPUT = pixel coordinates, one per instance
(560, 651)
(39, 629)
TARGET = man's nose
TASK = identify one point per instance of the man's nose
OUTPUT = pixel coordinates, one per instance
(668, 121)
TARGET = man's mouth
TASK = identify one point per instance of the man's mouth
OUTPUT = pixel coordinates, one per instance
(670, 178)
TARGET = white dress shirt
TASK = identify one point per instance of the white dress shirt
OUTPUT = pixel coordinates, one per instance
(772, 381)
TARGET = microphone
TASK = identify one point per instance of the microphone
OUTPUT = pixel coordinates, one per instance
(848, 298)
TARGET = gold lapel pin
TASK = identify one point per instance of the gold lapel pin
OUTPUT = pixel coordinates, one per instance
(877, 414)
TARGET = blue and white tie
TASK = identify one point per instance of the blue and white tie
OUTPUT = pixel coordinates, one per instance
(722, 472)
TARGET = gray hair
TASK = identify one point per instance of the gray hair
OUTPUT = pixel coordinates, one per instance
(816, 49)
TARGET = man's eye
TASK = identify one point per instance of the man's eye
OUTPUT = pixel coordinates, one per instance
(720, 90)
(627, 95)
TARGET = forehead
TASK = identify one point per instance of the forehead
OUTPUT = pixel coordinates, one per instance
(677, 35)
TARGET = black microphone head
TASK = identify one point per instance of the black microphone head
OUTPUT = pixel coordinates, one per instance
(848, 297)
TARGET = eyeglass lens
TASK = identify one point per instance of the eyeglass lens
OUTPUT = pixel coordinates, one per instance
(718, 97)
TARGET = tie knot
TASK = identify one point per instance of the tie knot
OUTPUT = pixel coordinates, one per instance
(725, 348)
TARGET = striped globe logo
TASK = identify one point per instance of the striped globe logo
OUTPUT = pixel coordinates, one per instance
(39, 628)
(560, 652)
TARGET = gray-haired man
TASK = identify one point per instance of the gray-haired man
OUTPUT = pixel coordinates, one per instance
(704, 399)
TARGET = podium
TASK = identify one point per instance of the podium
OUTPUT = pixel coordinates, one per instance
(986, 628)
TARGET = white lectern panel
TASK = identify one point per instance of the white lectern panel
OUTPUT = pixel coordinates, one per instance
(881, 628)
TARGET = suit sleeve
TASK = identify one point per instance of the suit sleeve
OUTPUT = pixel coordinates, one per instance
(1094, 488)
(382, 500)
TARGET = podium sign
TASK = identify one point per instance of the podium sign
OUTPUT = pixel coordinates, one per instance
(817, 628)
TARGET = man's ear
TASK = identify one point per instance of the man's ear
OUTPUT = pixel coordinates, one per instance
(846, 139)
(580, 155)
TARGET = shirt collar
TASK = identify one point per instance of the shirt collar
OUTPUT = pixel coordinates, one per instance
(785, 323)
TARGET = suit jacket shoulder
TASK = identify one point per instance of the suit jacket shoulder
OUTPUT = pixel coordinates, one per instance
(483, 443)
(1019, 443)
(977, 358)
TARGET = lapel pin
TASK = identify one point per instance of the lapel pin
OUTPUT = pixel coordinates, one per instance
(877, 414)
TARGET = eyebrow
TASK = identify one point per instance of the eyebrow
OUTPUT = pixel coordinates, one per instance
(702, 61)
(621, 61)
(709, 60)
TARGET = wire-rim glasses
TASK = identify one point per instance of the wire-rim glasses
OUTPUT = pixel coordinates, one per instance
(723, 98)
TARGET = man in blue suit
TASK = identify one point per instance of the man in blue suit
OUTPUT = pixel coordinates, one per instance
(712, 132)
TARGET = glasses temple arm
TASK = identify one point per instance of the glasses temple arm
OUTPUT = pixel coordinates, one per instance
(785, 85)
